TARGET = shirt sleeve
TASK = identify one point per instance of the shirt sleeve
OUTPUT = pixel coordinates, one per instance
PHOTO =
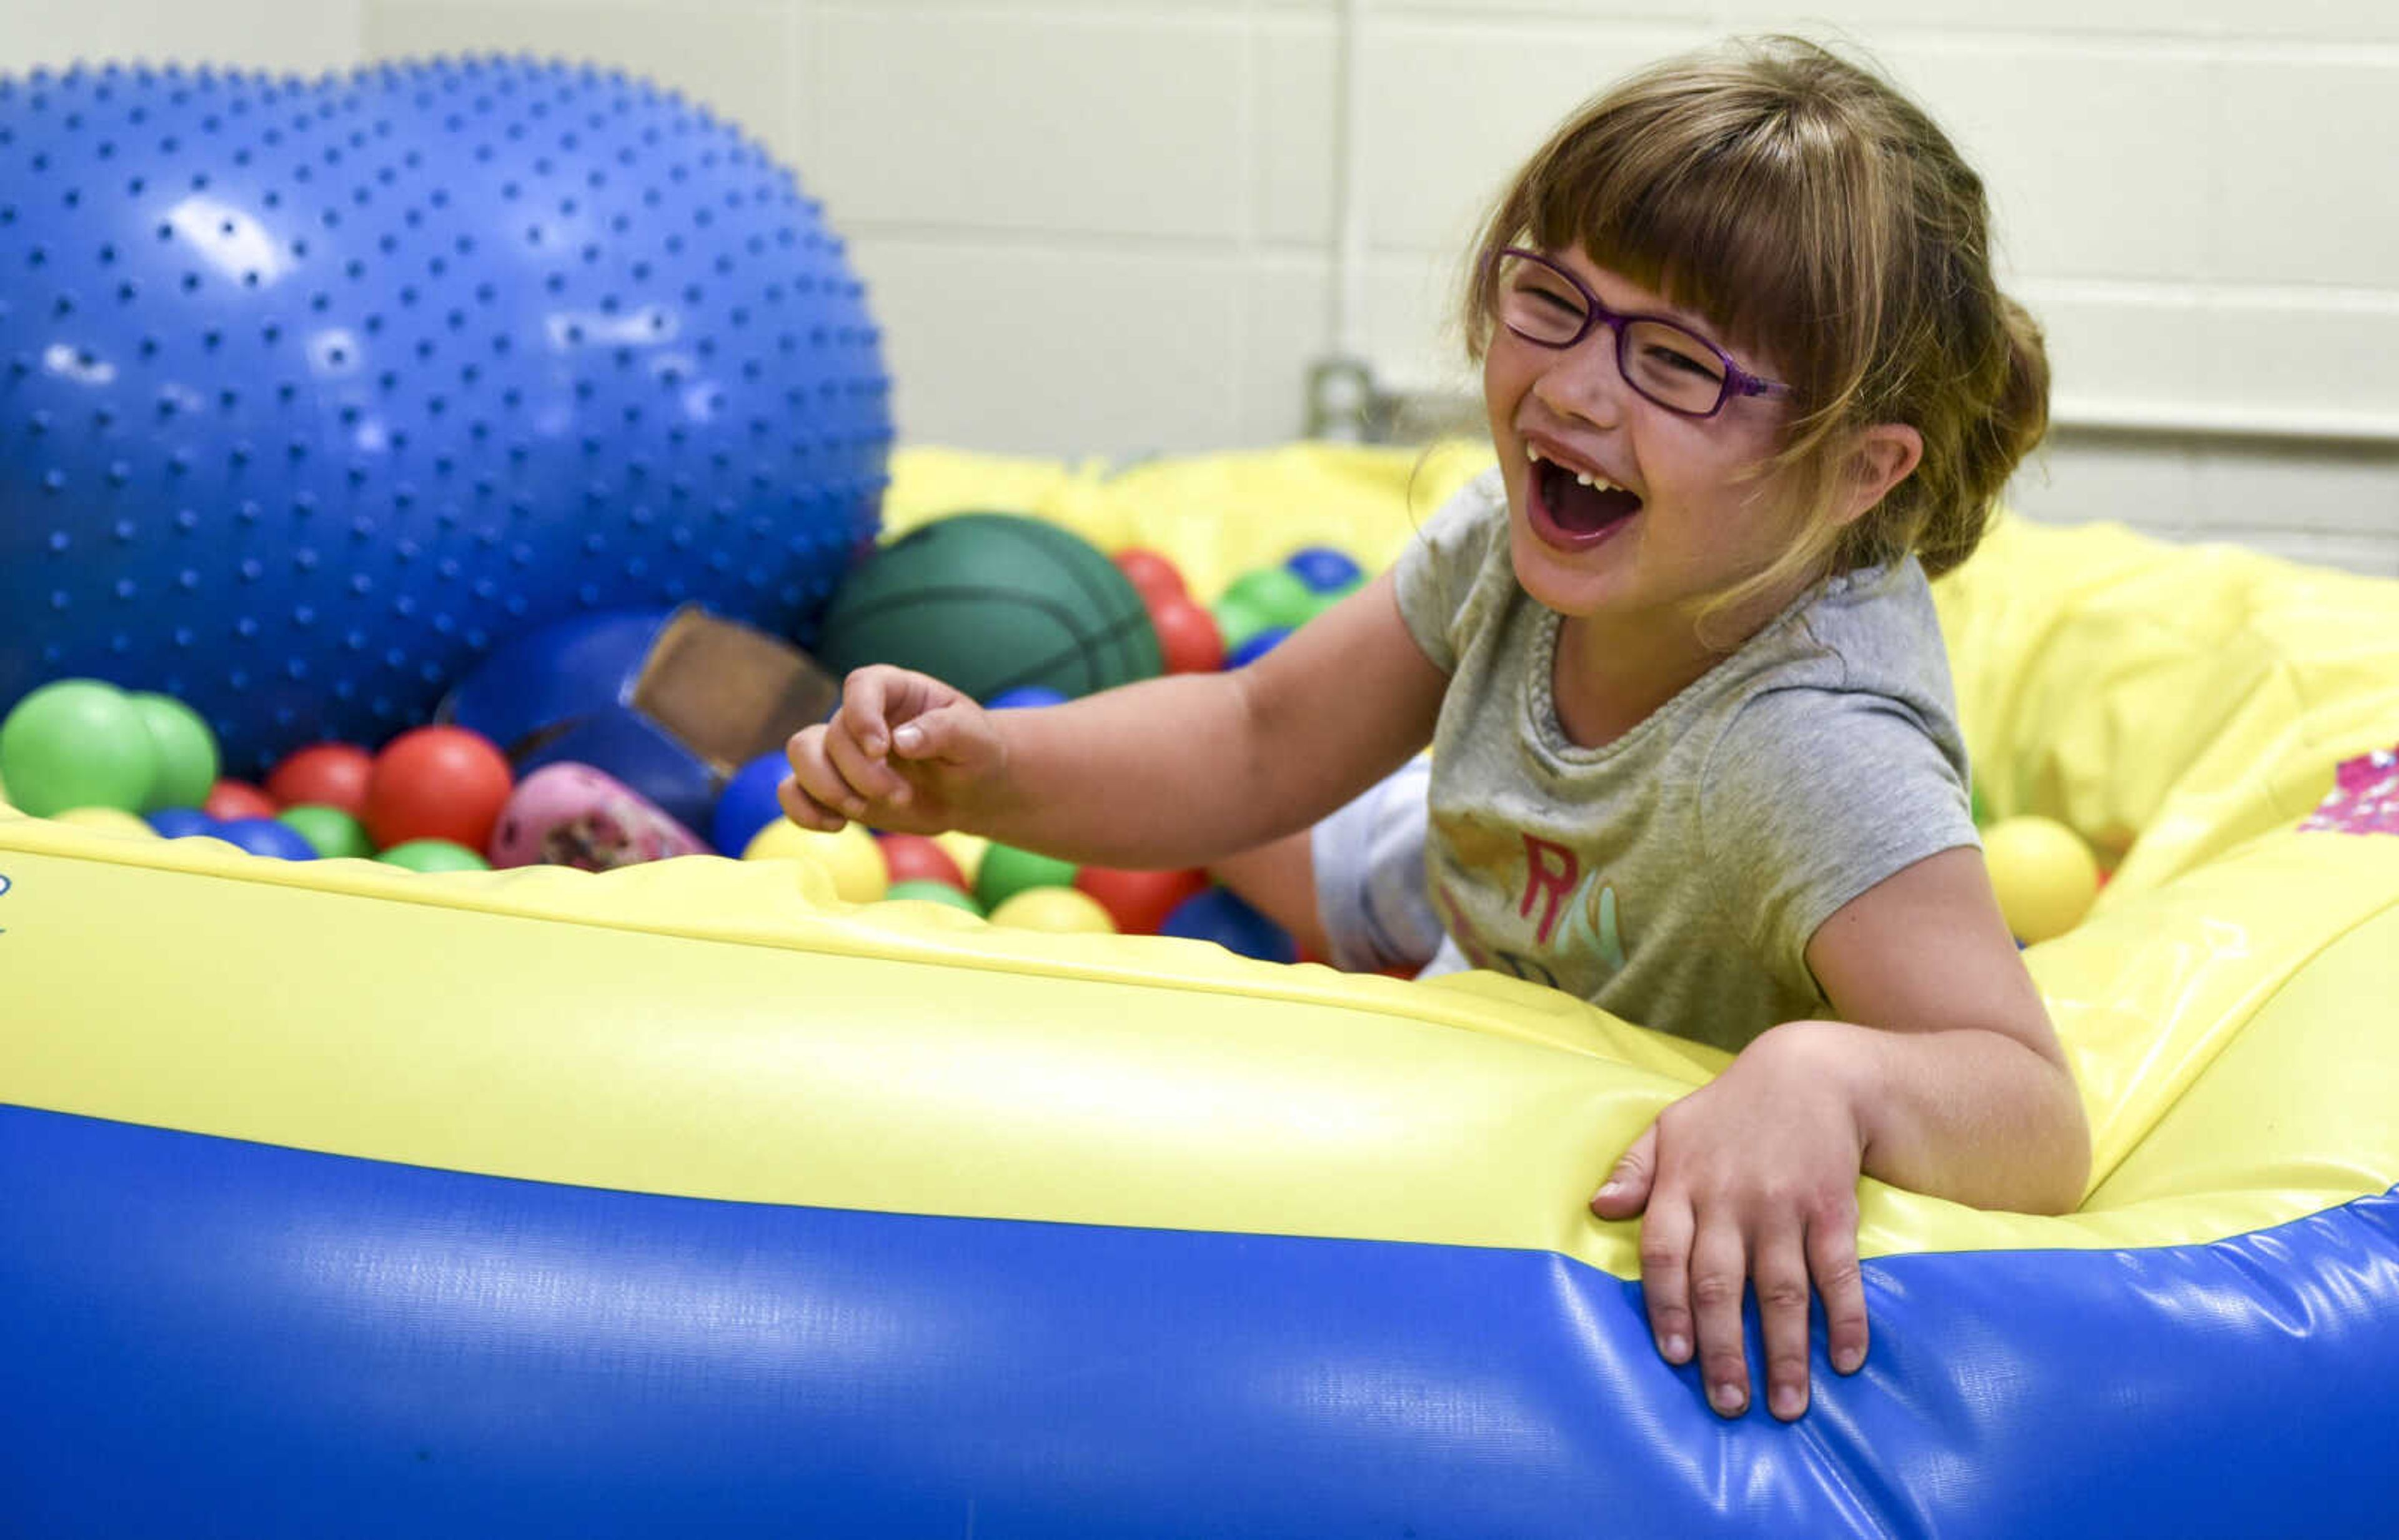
(1435, 574)
(1813, 796)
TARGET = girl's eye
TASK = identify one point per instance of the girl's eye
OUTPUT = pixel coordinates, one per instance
(1682, 359)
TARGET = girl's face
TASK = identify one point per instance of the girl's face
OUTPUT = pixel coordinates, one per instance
(1685, 520)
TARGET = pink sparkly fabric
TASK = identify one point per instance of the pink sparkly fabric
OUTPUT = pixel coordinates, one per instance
(2363, 799)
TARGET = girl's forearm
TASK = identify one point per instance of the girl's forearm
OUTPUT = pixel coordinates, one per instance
(1966, 1114)
(1166, 773)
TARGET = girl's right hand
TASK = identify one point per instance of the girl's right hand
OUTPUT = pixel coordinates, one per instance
(903, 752)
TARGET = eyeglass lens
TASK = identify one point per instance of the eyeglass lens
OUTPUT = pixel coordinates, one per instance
(1670, 365)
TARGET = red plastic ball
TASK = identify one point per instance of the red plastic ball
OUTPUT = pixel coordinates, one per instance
(916, 859)
(1187, 637)
(231, 800)
(437, 783)
(323, 775)
(1139, 902)
(1153, 577)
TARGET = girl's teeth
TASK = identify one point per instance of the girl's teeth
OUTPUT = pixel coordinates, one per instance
(1533, 453)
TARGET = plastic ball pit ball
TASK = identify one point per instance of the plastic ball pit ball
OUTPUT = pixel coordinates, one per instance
(1139, 902)
(267, 837)
(848, 854)
(747, 804)
(1061, 911)
(1152, 575)
(1187, 637)
(228, 800)
(324, 775)
(77, 743)
(330, 831)
(187, 750)
(1325, 570)
(966, 850)
(917, 857)
(2046, 878)
(437, 783)
(175, 823)
(1007, 871)
(925, 890)
(433, 856)
(1218, 915)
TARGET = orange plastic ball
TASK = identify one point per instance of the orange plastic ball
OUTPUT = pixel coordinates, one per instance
(323, 775)
(1153, 577)
(231, 801)
(1139, 902)
(915, 857)
(1188, 637)
(437, 783)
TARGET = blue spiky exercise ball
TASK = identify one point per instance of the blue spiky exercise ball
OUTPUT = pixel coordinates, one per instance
(313, 392)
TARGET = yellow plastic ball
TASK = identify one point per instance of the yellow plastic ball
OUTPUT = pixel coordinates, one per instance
(1064, 911)
(2045, 876)
(850, 857)
(966, 850)
(108, 821)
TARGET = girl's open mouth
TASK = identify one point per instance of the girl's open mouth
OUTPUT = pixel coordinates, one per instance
(1574, 511)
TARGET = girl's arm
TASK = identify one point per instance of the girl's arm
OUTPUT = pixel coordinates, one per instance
(1945, 1076)
(1172, 771)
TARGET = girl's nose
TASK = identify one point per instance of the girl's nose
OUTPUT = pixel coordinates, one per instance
(1583, 381)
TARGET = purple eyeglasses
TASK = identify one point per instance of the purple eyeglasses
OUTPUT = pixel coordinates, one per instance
(1678, 369)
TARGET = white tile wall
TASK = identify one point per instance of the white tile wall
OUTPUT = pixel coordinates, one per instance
(306, 36)
(1108, 226)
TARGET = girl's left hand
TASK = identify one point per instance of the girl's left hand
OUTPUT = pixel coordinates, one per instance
(1752, 1176)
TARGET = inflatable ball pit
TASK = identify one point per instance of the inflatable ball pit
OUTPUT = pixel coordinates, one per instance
(690, 1195)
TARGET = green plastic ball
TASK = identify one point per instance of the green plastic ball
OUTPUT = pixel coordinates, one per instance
(434, 856)
(334, 832)
(1005, 871)
(77, 743)
(187, 751)
(1278, 594)
(925, 890)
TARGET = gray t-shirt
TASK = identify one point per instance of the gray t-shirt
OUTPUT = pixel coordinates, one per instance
(1676, 875)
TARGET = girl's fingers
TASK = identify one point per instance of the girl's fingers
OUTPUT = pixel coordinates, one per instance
(1833, 1259)
(1780, 1267)
(816, 779)
(867, 776)
(1627, 1187)
(805, 811)
(1719, 1275)
(1665, 1276)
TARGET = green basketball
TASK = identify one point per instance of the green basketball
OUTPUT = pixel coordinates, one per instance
(990, 602)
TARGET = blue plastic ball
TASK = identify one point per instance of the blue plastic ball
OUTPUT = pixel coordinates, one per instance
(747, 804)
(1220, 917)
(1026, 694)
(313, 392)
(1325, 570)
(1257, 646)
(267, 837)
(174, 823)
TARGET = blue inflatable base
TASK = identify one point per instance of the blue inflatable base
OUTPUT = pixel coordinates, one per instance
(204, 1336)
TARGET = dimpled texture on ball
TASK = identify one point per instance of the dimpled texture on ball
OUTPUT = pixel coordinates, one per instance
(314, 391)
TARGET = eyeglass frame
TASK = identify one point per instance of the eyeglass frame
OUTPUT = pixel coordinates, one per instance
(1737, 380)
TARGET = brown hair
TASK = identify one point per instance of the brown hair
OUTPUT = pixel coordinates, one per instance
(1818, 217)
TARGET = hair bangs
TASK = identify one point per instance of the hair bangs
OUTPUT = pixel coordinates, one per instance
(1704, 206)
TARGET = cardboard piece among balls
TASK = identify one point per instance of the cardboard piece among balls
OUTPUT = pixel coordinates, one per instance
(669, 704)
